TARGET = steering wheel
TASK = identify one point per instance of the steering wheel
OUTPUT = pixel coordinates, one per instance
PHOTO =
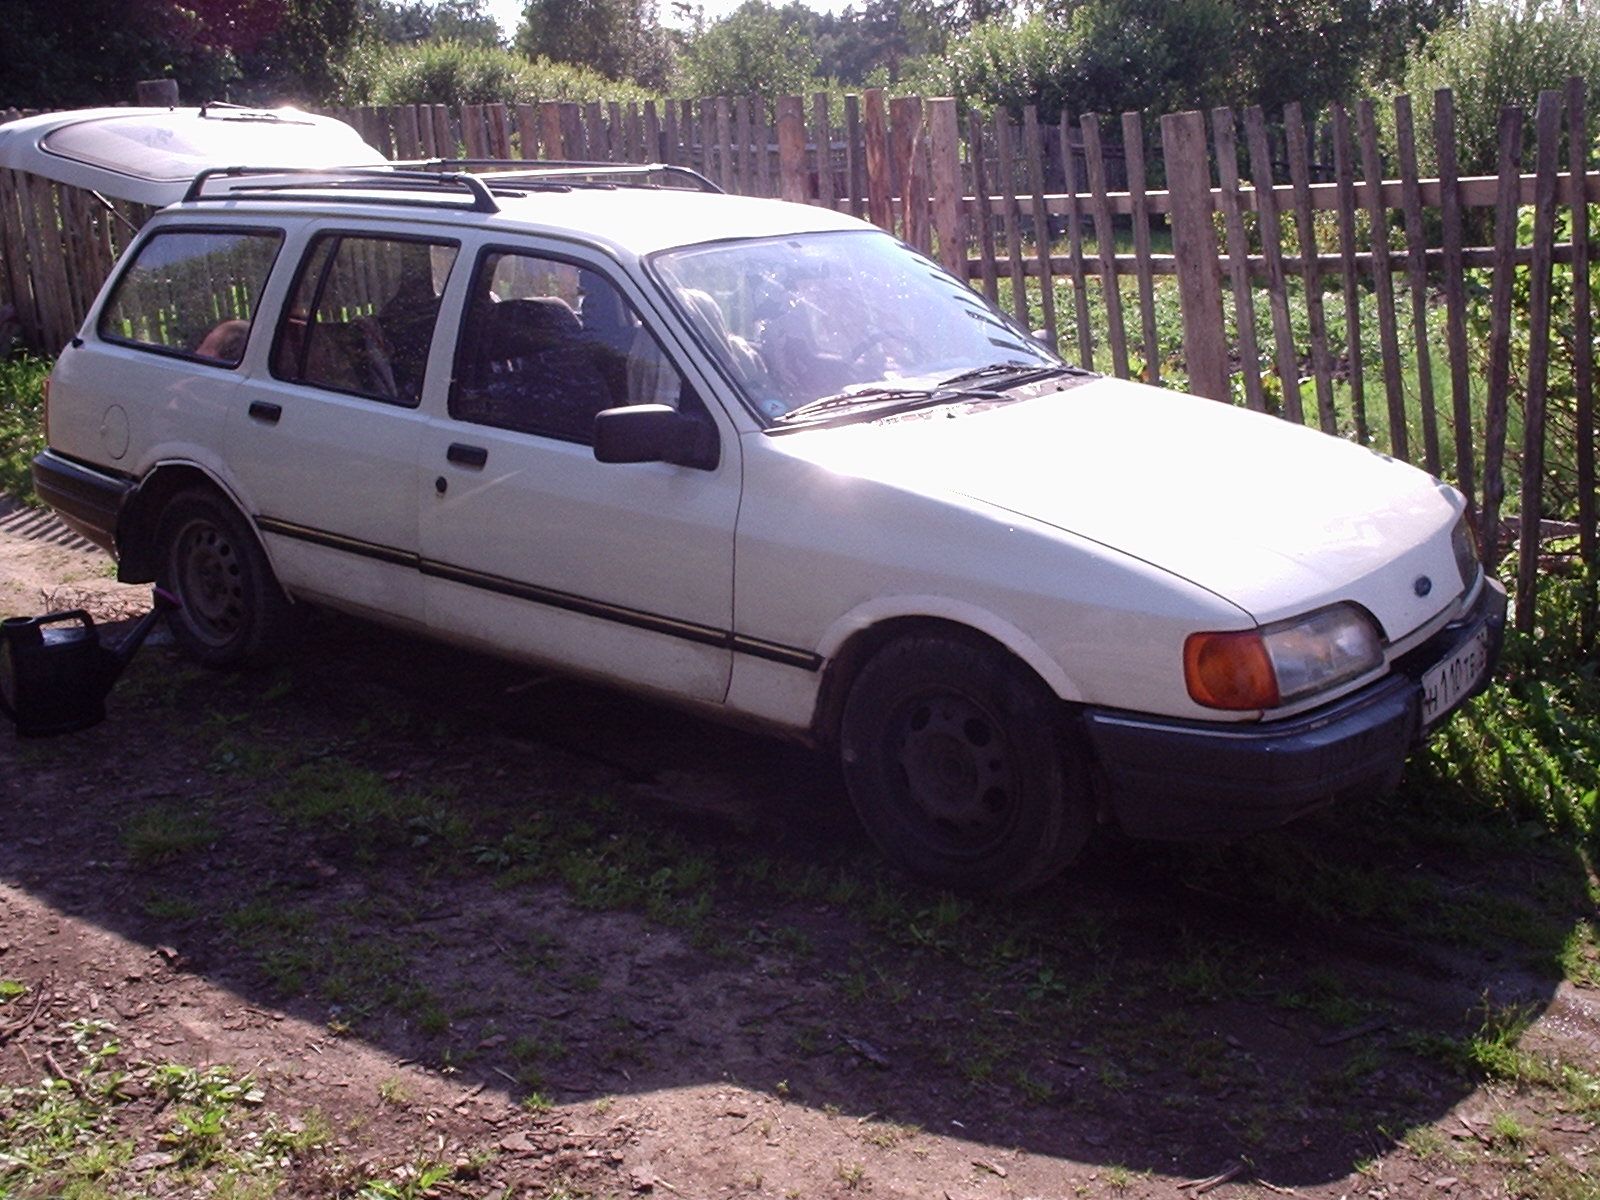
(889, 343)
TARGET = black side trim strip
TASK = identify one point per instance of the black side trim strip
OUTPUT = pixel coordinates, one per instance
(336, 541)
(704, 635)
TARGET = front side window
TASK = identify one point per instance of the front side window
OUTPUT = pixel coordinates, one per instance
(546, 344)
(192, 293)
(362, 316)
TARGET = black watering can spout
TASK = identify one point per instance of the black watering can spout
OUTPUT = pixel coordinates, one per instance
(55, 674)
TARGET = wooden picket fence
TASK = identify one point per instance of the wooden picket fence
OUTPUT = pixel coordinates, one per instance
(1058, 222)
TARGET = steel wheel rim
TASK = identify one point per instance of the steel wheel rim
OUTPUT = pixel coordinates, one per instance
(211, 582)
(953, 764)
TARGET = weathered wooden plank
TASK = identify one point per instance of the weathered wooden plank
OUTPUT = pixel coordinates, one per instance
(672, 142)
(745, 175)
(472, 131)
(51, 263)
(1286, 357)
(574, 140)
(1005, 164)
(725, 171)
(1244, 306)
(1417, 278)
(980, 186)
(1500, 318)
(1383, 284)
(766, 137)
(1455, 327)
(944, 148)
(596, 138)
(1310, 277)
(1344, 176)
(407, 132)
(443, 132)
(793, 184)
(1547, 126)
(552, 141)
(1080, 286)
(616, 133)
(653, 148)
(854, 155)
(1105, 243)
(499, 130)
(822, 134)
(527, 116)
(1205, 346)
(1582, 353)
(634, 140)
(1133, 157)
(908, 140)
(708, 139)
(880, 188)
(1033, 150)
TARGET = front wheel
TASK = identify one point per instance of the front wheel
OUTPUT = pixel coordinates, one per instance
(233, 612)
(957, 764)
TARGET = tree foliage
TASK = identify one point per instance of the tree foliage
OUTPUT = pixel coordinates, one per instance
(443, 72)
(1502, 54)
(621, 39)
(94, 51)
(757, 50)
(465, 21)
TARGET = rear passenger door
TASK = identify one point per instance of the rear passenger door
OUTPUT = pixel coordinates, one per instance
(325, 433)
(532, 547)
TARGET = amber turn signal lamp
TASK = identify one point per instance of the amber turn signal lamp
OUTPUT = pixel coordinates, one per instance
(1229, 670)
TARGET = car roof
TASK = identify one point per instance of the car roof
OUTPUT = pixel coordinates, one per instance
(629, 221)
(150, 155)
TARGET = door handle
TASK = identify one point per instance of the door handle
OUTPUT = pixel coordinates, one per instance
(467, 456)
(265, 412)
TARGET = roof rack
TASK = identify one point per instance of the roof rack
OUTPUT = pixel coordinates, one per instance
(369, 177)
(474, 177)
(558, 170)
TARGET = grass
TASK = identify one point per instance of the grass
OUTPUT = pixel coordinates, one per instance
(22, 379)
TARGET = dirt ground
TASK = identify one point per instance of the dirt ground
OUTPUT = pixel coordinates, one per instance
(393, 921)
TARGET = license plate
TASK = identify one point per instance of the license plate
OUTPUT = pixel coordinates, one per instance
(1445, 683)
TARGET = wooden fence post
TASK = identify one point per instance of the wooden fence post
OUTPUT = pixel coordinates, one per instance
(880, 187)
(1183, 143)
(792, 181)
(945, 144)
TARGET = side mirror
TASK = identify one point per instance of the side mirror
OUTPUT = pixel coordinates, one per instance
(654, 433)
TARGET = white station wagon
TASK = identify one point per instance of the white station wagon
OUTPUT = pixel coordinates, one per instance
(762, 460)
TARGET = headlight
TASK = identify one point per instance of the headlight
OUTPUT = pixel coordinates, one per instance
(1277, 664)
(1464, 542)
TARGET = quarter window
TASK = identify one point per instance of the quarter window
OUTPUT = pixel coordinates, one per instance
(192, 293)
(362, 316)
(547, 344)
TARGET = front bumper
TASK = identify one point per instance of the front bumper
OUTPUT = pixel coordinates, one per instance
(1164, 778)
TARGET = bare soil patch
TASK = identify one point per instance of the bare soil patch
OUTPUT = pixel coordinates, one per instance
(452, 927)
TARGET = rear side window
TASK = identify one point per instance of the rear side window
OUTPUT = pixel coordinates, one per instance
(192, 293)
(362, 315)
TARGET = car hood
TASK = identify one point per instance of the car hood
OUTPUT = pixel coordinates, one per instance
(1276, 518)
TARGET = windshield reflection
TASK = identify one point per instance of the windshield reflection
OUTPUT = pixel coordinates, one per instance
(797, 318)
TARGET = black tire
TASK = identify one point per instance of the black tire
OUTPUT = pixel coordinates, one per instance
(958, 765)
(234, 613)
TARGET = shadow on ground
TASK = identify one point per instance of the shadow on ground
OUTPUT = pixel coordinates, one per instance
(531, 880)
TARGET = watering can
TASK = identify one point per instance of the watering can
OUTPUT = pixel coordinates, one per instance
(55, 674)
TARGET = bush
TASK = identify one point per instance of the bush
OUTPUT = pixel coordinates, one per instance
(445, 72)
(21, 422)
(1108, 57)
(1500, 54)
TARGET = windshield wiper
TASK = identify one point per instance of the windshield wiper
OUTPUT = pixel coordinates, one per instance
(1014, 372)
(896, 399)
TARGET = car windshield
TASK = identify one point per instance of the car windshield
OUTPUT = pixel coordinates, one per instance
(796, 319)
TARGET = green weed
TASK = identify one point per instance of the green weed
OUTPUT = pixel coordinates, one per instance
(165, 832)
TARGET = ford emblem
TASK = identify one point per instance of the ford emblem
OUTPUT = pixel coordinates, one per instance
(1422, 586)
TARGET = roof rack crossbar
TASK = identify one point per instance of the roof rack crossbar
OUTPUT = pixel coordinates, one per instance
(372, 175)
